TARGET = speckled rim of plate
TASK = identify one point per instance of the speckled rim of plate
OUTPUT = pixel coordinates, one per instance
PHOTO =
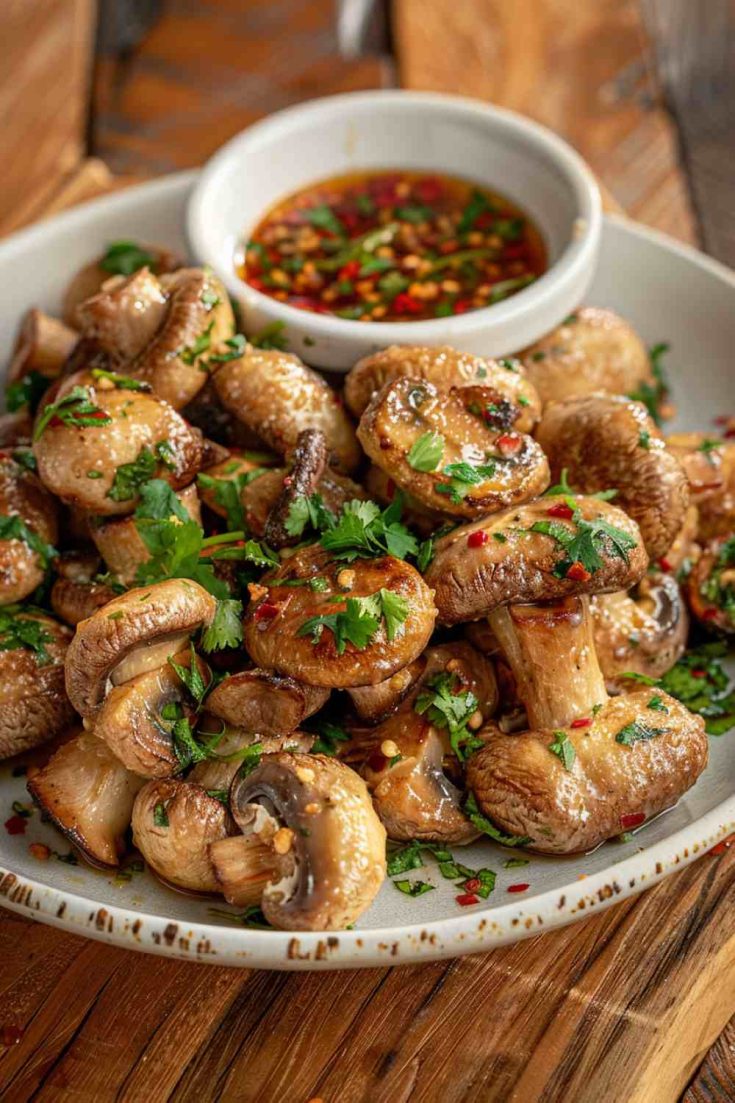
(472, 932)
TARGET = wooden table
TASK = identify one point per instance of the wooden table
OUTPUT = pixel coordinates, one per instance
(630, 1005)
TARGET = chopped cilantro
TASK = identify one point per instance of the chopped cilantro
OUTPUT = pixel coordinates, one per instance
(122, 258)
(413, 888)
(563, 748)
(363, 530)
(653, 395)
(324, 218)
(191, 676)
(446, 705)
(235, 348)
(272, 337)
(482, 823)
(26, 391)
(359, 622)
(308, 511)
(15, 528)
(19, 631)
(76, 409)
(586, 543)
(329, 736)
(160, 818)
(426, 452)
(227, 494)
(129, 477)
(121, 382)
(226, 628)
(637, 732)
(191, 353)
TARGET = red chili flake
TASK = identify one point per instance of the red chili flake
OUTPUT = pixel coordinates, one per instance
(561, 509)
(477, 539)
(484, 221)
(336, 398)
(349, 271)
(429, 190)
(708, 614)
(509, 444)
(521, 887)
(665, 564)
(472, 884)
(465, 899)
(377, 761)
(722, 846)
(515, 252)
(407, 304)
(266, 611)
(578, 572)
(699, 674)
(632, 819)
(390, 490)
(16, 825)
(39, 851)
(582, 722)
(461, 306)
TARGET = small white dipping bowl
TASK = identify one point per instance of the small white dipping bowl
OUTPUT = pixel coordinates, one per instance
(402, 130)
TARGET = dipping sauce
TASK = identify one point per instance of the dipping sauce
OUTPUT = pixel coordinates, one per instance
(393, 247)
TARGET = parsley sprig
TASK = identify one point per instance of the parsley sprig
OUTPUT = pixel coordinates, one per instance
(360, 620)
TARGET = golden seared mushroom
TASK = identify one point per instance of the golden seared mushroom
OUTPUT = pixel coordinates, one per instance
(235, 747)
(711, 585)
(88, 794)
(265, 702)
(532, 554)
(122, 258)
(133, 718)
(28, 529)
(609, 442)
(308, 463)
(41, 347)
(103, 436)
(135, 632)
(644, 631)
(174, 823)
(34, 707)
(340, 626)
(76, 595)
(436, 446)
(276, 396)
(592, 350)
(709, 464)
(120, 544)
(374, 703)
(124, 315)
(567, 790)
(261, 494)
(309, 818)
(446, 368)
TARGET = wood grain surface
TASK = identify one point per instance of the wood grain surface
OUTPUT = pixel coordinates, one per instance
(627, 1007)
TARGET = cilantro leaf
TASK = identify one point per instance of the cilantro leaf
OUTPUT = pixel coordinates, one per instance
(122, 258)
(329, 736)
(563, 748)
(413, 888)
(308, 511)
(324, 218)
(654, 394)
(637, 732)
(191, 353)
(357, 624)
(191, 676)
(227, 493)
(235, 348)
(362, 530)
(160, 818)
(272, 336)
(76, 409)
(26, 391)
(121, 382)
(226, 627)
(426, 452)
(18, 631)
(585, 542)
(449, 707)
(129, 477)
(482, 823)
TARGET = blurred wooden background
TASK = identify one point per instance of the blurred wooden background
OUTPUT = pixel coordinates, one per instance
(624, 1007)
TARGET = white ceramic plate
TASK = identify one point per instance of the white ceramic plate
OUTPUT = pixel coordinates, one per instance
(669, 293)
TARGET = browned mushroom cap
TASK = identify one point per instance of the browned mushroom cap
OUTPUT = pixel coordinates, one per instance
(467, 469)
(34, 707)
(120, 544)
(709, 465)
(132, 723)
(42, 345)
(88, 280)
(25, 543)
(375, 703)
(446, 368)
(291, 626)
(608, 441)
(644, 631)
(173, 824)
(16, 429)
(89, 465)
(265, 702)
(135, 632)
(328, 844)
(233, 746)
(89, 796)
(259, 496)
(75, 595)
(506, 560)
(631, 761)
(124, 316)
(277, 396)
(592, 350)
(711, 585)
(308, 462)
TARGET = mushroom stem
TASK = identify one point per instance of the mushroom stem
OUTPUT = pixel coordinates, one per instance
(550, 649)
(243, 865)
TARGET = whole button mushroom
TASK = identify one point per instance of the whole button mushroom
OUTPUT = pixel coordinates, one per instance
(34, 707)
(609, 442)
(331, 625)
(135, 632)
(101, 436)
(446, 368)
(121, 258)
(28, 529)
(309, 829)
(276, 396)
(644, 632)
(592, 350)
(440, 448)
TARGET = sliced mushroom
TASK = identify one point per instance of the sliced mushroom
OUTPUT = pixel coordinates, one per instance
(75, 595)
(308, 462)
(265, 702)
(26, 543)
(243, 865)
(505, 560)
(89, 795)
(132, 721)
(433, 446)
(328, 844)
(637, 757)
(137, 631)
(446, 368)
(709, 464)
(86, 464)
(592, 350)
(608, 441)
(120, 544)
(644, 631)
(34, 707)
(281, 631)
(276, 396)
(260, 496)
(711, 585)
(174, 823)
(42, 346)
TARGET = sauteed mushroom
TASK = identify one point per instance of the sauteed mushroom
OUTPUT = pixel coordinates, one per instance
(34, 707)
(88, 280)
(28, 529)
(308, 462)
(75, 595)
(711, 585)
(42, 346)
(709, 464)
(261, 495)
(265, 702)
(644, 631)
(233, 746)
